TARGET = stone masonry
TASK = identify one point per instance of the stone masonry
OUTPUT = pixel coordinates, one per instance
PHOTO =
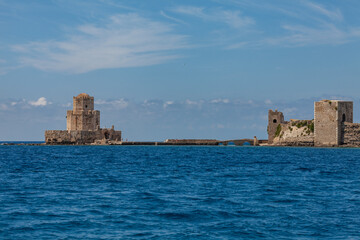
(83, 116)
(83, 125)
(332, 126)
(329, 117)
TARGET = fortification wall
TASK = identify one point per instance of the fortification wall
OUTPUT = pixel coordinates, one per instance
(351, 134)
(192, 141)
(80, 137)
(295, 133)
(57, 137)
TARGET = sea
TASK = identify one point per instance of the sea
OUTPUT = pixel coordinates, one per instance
(179, 192)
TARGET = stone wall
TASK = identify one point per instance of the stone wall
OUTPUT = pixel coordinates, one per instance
(192, 141)
(83, 120)
(83, 116)
(326, 127)
(329, 116)
(80, 137)
(345, 115)
(274, 119)
(83, 102)
(351, 134)
(295, 133)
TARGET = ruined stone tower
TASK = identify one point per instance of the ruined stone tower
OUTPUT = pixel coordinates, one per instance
(275, 118)
(329, 118)
(83, 116)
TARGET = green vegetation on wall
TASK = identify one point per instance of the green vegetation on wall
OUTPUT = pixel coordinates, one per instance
(278, 130)
(311, 126)
(302, 124)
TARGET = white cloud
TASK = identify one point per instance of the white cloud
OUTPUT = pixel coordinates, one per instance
(167, 103)
(191, 10)
(162, 13)
(220, 100)
(305, 23)
(40, 102)
(301, 35)
(268, 102)
(234, 19)
(334, 15)
(118, 103)
(190, 102)
(127, 40)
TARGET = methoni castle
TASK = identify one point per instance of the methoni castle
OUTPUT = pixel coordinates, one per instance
(332, 126)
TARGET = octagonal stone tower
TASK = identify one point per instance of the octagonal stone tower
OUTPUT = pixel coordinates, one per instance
(83, 116)
(83, 125)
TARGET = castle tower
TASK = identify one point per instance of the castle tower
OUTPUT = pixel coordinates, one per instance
(329, 117)
(275, 118)
(83, 116)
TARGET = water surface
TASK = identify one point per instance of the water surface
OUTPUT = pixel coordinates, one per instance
(162, 192)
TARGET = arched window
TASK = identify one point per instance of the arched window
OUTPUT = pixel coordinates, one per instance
(343, 117)
(274, 121)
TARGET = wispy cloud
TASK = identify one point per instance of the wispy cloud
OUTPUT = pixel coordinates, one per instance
(314, 24)
(334, 14)
(220, 100)
(162, 13)
(116, 104)
(232, 18)
(127, 40)
(300, 35)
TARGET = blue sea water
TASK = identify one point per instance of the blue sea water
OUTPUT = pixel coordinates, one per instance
(161, 192)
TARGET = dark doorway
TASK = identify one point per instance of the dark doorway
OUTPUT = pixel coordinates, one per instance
(107, 135)
(274, 121)
(343, 117)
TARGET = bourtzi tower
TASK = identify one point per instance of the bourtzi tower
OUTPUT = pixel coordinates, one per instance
(83, 116)
(82, 125)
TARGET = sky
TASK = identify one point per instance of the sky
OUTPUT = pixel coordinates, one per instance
(174, 69)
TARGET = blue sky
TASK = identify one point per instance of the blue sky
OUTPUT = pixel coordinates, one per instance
(174, 69)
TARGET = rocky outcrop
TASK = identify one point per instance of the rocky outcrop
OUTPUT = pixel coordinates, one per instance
(295, 133)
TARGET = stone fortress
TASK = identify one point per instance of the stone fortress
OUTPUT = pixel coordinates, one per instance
(83, 125)
(332, 126)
